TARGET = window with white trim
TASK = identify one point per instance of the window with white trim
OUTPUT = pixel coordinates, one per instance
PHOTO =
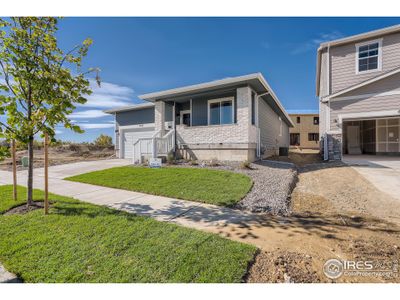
(369, 56)
(220, 111)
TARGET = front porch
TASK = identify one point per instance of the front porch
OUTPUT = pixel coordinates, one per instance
(213, 125)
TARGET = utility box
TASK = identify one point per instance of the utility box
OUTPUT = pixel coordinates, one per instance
(283, 151)
(25, 161)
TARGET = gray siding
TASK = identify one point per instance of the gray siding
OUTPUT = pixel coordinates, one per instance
(199, 112)
(371, 104)
(387, 84)
(343, 62)
(270, 124)
(169, 109)
(200, 109)
(135, 117)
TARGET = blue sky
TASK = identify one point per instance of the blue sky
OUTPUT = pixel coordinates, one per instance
(141, 55)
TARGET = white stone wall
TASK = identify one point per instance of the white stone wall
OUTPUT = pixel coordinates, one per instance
(212, 134)
(159, 116)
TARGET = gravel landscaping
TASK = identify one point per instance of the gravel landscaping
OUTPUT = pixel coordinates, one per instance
(272, 186)
(273, 183)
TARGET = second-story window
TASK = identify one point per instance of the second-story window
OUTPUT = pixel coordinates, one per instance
(316, 120)
(369, 56)
(298, 120)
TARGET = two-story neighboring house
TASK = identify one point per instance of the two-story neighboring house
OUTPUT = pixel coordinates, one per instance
(305, 133)
(358, 85)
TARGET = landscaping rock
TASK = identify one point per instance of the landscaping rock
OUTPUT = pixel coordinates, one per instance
(273, 185)
(7, 277)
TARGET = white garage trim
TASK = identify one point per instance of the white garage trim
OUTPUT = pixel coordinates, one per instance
(365, 115)
(146, 125)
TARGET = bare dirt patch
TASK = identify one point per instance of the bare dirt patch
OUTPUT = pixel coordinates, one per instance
(300, 157)
(288, 267)
(336, 213)
(60, 155)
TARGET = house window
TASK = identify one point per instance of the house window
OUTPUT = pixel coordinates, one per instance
(220, 111)
(295, 139)
(298, 120)
(185, 117)
(316, 120)
(313, 137)
(253, 108)
(369, 56)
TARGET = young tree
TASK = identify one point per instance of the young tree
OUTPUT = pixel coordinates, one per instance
(38, 88)
(103, 140)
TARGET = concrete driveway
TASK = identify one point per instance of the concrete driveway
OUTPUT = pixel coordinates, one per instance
(68, 170)
(382, 171)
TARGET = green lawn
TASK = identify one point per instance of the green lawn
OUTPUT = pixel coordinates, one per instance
(202, 185)
(80, 242)
(6, 200)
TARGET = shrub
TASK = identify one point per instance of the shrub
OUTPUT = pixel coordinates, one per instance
(213, 163)
(171, 158)
(194, 162)
(103, 141)
(245, 164)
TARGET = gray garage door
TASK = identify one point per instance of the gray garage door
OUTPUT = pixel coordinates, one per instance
(130, 136)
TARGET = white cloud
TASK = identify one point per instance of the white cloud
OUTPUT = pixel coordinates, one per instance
(88, 114)
(95, 125)
(314, 43)
(108, 95)
(58, 131)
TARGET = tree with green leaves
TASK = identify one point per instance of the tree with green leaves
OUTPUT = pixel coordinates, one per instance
(103, 140)
(40, 84)
(4, 152)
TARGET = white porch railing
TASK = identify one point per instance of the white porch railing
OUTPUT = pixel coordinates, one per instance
(153, 146)
(165, 144)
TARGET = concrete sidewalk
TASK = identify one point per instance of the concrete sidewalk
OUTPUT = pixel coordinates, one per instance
(187, 213)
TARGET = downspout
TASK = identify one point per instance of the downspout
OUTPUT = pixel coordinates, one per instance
(258, 125)
(327, 113)
(174, 128)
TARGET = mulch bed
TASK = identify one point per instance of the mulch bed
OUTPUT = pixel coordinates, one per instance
(24, 208)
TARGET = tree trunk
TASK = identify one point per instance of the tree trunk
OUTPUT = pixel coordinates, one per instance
(30, 171)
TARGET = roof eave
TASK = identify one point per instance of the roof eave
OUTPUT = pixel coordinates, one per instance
(361, 36)
(196, 87)
(272, 93)
(364, 83)
(128, 108)
(237, 80)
